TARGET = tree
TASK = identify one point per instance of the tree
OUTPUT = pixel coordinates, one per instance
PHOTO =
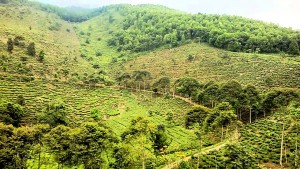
(54, 114)
(91, 143)
(163, 84)
(141, 76)
(39, 131)
(161, 141)
(294, 48)
(187, 86)
(196, 115)
(238, 157)
(253, 99)
(86, 144)
(31, 49)
(10, 45)
(221, 116)
(11, 113)
(41, 56)
(212, 93)
(232, 92)
(125, 79)
(137, 149)
(60, 141)
(21, 100)
(16, 146)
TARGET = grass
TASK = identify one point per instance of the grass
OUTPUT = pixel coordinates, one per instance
(98, 31)
(218, 65)
(118, 107)
(61, 47)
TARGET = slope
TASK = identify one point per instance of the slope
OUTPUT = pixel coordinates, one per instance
(206, 63)
(261, 142)
(51, 34)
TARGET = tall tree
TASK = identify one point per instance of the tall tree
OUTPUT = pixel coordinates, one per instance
(187, 86)
(31, 49)
(137, 149)
(10, 45)
(54, 114)
(16, 146)
(162, 85)
(294, 48)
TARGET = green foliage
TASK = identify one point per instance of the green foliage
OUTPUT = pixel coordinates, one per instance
(162, 85)
(95, 114)
(239, 157)
(73, 14)
(161, 141)
(294, 48)
(10, 45)
(31, 49)
(16, 145)
(11, 113)
(55, 27)
(98, 53)
(221, 116)
(187, 86)
(278, 98)
(139, 142)
(196, 115)
(54, 114)
(41, 56)
(83, 145)
(18, 41)
(145, 30)
(190, 58)
(124, 79)
(20, 100)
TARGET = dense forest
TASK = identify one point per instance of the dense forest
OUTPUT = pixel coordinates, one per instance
(145, 30)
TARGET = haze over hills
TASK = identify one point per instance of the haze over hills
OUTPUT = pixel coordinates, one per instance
(145, 86)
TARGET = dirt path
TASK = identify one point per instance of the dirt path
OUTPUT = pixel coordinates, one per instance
(206, 150)
(187, 100)
(213, 148)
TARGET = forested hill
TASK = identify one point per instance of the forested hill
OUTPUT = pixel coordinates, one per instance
(147, 27)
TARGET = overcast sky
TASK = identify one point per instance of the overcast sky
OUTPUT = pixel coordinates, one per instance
(283, 12)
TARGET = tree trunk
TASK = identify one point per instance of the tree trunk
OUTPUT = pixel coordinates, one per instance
(39, 163)
(281, 149)
(139, 86)
(296, 153)
(222, 133)
(250, 115)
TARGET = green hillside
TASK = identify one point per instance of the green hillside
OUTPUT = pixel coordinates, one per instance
(206, 64)
(54, 36)
(259, 145)
(145, 86)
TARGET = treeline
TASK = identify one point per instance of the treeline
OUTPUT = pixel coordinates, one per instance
(89, 144)
(71, 14)
(247, 101)
(145, 30)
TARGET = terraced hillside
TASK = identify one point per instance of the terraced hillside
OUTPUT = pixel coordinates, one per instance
(54, 36)
(206, 63)
(260, 145)
(116, 107)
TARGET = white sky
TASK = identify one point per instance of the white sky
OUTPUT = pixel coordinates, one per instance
(283, 12)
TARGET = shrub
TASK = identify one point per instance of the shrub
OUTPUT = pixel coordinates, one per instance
(31, 49)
